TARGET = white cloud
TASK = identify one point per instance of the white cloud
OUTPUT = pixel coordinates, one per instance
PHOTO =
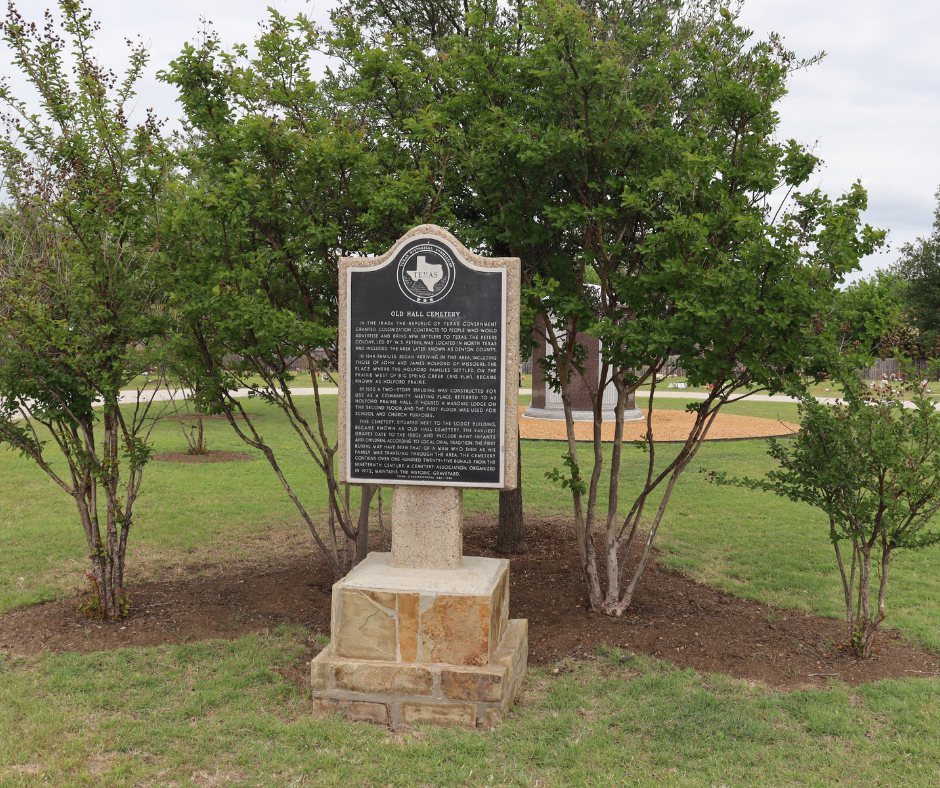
(872, 105)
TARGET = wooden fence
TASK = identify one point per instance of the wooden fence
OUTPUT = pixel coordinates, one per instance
(891, 367)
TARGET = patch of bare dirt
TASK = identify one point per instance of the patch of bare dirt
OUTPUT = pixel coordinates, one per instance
(209, 456)
(673, 618)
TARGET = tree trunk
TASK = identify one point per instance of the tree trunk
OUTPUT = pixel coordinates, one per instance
(510, 533)
(107, 588)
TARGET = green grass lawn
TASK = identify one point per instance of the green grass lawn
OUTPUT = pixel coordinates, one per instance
(220, 713)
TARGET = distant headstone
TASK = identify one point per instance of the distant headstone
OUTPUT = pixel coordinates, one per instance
(582, 388)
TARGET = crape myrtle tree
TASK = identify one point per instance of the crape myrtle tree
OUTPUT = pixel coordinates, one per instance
(283, 175)
(180, 375)
(80, 279)
(634, 145)
(872, 465)
(399, 62)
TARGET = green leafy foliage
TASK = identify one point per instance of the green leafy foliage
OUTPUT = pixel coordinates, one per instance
(870, 312)
(80, 276)
(285, 174)
(572, 481)
(872, 465)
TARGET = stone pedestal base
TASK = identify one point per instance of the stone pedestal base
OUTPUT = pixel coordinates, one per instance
(422, 645)
(427, 523)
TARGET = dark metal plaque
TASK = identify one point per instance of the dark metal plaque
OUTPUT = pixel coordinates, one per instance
(426, 365)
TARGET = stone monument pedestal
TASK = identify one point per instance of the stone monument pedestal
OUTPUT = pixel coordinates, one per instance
(420, 645)
(428, 404)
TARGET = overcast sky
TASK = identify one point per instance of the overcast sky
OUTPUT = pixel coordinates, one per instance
(871, 109)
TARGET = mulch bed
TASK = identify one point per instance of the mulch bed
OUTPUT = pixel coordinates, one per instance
(673, 617)
(210, 456)
(668, 426)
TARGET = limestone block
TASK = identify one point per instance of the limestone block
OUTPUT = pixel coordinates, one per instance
(513, 654)
(514, 646)
(388, 678)
(427, 527)
(408, 606)
(421, 645)
(357, 711)
(492, 718)
(499, 612)
(456, 630)
(385, 599)
(367, 629)
(446, 715)
(475, 577)
(452, 616)
(320, 669)
(473, 684)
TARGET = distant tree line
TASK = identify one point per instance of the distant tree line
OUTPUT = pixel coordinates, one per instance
(896, 312)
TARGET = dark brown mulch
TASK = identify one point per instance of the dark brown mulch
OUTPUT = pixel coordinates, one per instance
(210, 456)
(673, 617)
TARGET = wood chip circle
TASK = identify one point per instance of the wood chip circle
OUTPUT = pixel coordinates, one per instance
(668, 426)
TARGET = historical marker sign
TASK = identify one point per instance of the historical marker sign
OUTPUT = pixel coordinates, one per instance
(426, 347)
